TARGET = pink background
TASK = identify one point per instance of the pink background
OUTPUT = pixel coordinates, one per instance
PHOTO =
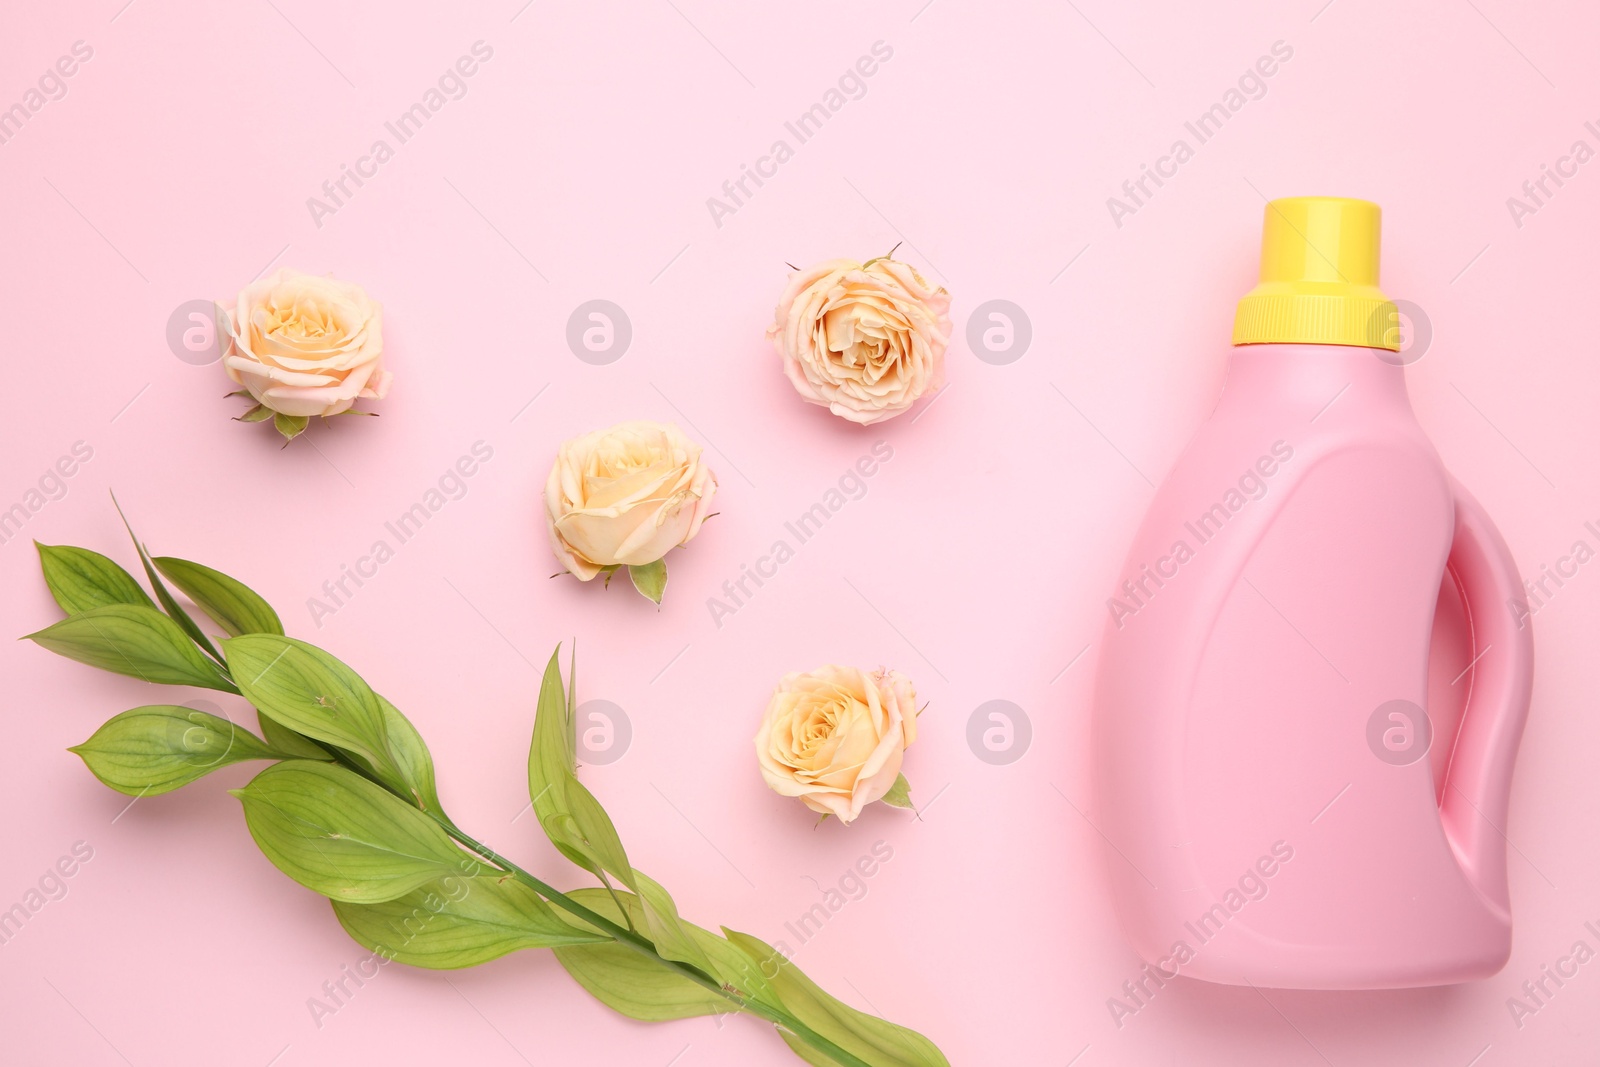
(577, 167)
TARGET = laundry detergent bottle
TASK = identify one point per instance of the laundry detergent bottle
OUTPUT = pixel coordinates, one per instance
(1315, 672)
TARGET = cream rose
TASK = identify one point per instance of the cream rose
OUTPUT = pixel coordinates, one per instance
(865, 340)
(836, 737)
(306, 345)
(624, 497)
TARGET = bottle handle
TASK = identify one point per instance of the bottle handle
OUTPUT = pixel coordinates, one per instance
(1478, 782)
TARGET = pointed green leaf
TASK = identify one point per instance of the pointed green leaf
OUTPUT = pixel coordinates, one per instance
(899, 794)
(259, 413)
(554, 732)
(662, 925)
(581, 830)
(237, 608)
(868, 1037)
(313, 693)
(578, 825)
(650, 580)
(309, 691)
(157, 748)
(411, 758)
(135, 640)
(80, 579)
(336, 833)
(627, 982)
(291, 426)
(571, 817)
(287, 741)
(171, 605)
(458, 922)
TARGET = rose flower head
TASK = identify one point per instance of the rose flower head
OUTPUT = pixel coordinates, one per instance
(625, 497)
(865, 340)
(303, 345)
(836, 737)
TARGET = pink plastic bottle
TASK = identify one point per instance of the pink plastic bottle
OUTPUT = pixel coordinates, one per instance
(1276, 810)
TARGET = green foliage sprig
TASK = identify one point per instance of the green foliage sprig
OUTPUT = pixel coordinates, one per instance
(349, 809)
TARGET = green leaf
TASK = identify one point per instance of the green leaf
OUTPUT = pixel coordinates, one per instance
(312, 693)
(309, 691)
(572, 818)
(411, 758)
(458, 922)
(157, 748)
(259, 413)
(874, 1040)
(627, 982)
(579, 827)
(80, 579)
(135, 640)
(650, 580)
(237, 608)
(287, 741)
(171, 605)
(291, 426)
(336, 833)
(581, 830)
(899, 794)
(672, 936)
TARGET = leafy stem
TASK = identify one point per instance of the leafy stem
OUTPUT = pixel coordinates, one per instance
(625, 936)
(644, 947)
(348, 807)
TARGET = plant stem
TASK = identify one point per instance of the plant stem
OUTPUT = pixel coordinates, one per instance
(648, 950)
(625, 936)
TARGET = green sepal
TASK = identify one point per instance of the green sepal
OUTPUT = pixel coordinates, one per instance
(899, 794)
(291, 426)
(259, 413)
(650, 579)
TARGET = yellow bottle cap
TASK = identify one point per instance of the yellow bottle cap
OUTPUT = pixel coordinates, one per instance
(1319, 278)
